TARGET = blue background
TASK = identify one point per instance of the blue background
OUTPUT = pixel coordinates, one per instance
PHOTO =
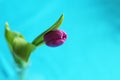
(91, 52)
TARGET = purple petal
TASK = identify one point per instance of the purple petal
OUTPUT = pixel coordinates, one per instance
(55, 38)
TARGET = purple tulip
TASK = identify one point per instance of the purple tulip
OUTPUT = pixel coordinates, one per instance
(55, 38)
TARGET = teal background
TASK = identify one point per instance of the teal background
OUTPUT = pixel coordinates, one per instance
(91, 51)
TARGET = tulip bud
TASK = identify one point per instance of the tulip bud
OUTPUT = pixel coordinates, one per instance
(55, 38)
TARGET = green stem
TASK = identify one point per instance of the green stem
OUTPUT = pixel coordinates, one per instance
(21, 73)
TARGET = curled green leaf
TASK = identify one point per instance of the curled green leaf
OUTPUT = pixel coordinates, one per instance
(39, 40)
(10, 36)
(19, 47)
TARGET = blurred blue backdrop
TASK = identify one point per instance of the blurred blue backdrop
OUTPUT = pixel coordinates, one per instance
(91, 52)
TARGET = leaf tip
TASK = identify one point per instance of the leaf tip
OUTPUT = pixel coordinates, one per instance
(62, 17)
(7, 26)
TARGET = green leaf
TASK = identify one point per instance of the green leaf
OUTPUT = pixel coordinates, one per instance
(10, 36)
(39, 40)
(19, 47)
(22, 48)
(22, 51)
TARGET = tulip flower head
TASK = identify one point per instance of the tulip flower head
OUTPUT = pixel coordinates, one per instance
(55, 38)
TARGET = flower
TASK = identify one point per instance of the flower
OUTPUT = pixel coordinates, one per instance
(39, 40)
(55, 38)
(21, 49)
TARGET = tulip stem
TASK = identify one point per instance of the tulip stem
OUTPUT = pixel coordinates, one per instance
(21, 74)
